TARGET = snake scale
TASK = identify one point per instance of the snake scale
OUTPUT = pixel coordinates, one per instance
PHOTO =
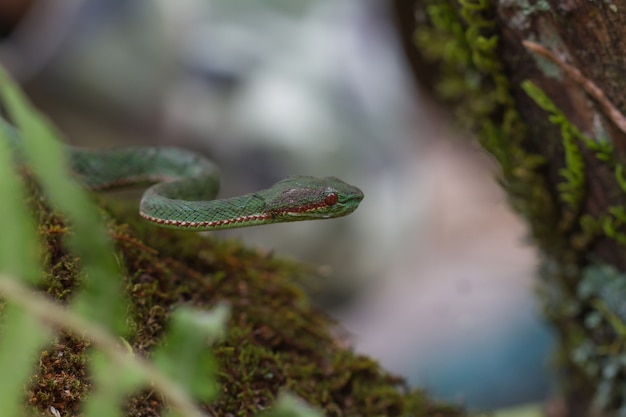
(184, 185)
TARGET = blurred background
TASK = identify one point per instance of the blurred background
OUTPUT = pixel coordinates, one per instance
(431, 275)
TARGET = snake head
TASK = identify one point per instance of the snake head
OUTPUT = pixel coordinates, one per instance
(308, 198)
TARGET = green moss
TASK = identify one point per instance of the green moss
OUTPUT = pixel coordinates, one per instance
(602, 149)
(463, 42)
(276, 339)
(461, 38)
(572, 190)
(619, 177)
(62, 376)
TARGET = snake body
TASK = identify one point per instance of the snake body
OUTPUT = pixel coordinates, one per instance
(184, 186)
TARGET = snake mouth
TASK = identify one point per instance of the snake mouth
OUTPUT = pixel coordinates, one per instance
(296, 212)
(305, 209)
(320, 210)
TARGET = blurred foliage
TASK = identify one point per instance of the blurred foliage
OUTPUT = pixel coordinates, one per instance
(529, 410)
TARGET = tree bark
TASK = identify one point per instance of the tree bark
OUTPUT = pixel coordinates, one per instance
(542, 85)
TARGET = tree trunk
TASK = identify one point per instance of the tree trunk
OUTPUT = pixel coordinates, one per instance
(542, 85)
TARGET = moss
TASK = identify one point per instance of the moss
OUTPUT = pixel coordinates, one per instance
(463, 42)
(61, 380)
(582, 296)
(276, 338)
(572, 190)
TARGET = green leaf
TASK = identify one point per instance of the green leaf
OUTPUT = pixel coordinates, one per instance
(18, 247)
(288, 405)
(21, 339)
(112, 385)
(21, 336)
(42, 147)
(185, 355)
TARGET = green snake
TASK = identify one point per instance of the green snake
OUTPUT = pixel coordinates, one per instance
(185, 185)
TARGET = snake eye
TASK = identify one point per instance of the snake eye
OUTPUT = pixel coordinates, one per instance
(331, 199)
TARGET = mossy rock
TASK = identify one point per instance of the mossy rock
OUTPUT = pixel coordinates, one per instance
(276, 340)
